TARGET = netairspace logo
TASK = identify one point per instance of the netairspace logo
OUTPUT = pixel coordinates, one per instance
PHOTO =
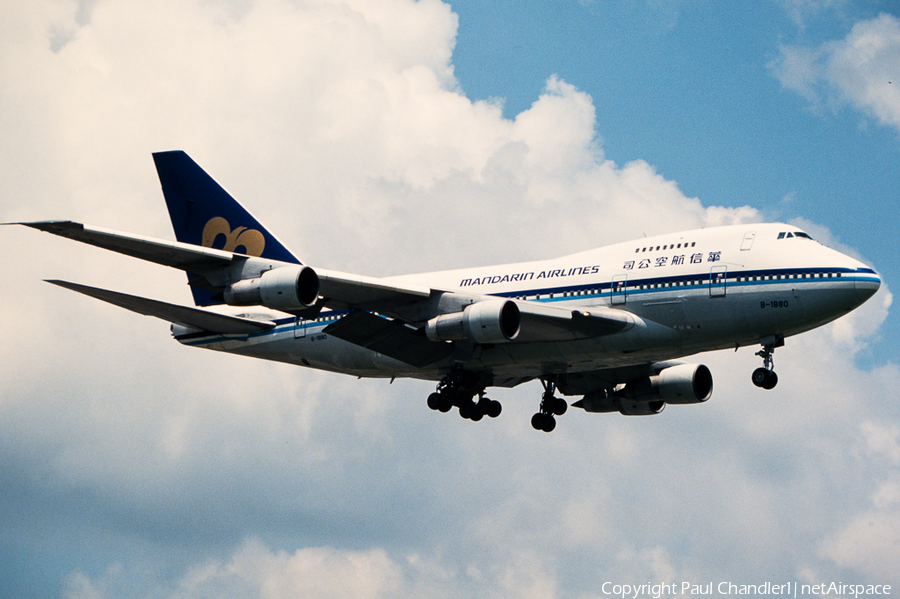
(787, 589)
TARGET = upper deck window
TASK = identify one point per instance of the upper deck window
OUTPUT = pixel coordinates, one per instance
(668, 246)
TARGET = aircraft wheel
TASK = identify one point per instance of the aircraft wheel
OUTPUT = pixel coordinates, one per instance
(434, 401)
(488, 406)
(760, 376)
(465, 410)
(549, 423)
(494, 408)
(543, 422)
(560, 406)
(764, 378)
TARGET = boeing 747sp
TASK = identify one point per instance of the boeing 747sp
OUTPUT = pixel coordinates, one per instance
(608, 325)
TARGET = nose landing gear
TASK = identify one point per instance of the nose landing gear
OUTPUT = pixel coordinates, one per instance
(765, 377)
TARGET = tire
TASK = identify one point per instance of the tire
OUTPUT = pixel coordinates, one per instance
(494, 408)
(560, 406)
(759, 377)
(466, 409)
(549, 423)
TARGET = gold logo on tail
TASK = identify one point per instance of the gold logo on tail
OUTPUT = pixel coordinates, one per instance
(252, 240)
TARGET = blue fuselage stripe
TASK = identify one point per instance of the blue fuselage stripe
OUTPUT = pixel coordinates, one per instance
(638, 286)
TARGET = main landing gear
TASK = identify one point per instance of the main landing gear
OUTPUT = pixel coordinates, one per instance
(765, 377)
(550, 405)
(459, 389)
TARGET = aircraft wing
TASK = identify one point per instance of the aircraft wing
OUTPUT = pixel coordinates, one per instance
(213, 322)
(341, 290)
(397, 340)
(183, 256)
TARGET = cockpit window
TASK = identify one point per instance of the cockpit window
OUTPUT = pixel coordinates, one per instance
(788, 234)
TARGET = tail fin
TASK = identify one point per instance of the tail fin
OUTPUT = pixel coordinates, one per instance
(204, 214)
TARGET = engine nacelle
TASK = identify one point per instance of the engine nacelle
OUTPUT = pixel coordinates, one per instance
(286, 288)
(602, 401)
(679, 384)
(490, 321)
(684, 383)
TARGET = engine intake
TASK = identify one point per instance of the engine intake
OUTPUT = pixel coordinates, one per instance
(287, 288)
(490, 321)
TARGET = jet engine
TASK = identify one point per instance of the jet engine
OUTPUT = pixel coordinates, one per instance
(490, 321)
(679, 384)
(287, 288)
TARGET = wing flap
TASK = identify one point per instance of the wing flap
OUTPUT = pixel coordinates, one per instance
(213, 322)
(389, 337)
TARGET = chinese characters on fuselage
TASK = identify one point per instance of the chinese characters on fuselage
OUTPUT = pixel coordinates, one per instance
(676, 260)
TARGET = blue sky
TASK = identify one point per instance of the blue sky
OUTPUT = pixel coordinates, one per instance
(392, 136)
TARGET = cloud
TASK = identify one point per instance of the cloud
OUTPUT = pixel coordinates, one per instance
(138, 466)
(861, 70)
(800, 11)
(256, 571)
(868, 542)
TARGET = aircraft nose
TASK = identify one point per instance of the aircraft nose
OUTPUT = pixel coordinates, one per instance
(866, 287)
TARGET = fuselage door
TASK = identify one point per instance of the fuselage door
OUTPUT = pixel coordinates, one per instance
(748, 240)
(717, 281)
(299, 328)
(617, 293)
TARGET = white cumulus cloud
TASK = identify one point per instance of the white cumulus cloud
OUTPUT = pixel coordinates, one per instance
(862, 70)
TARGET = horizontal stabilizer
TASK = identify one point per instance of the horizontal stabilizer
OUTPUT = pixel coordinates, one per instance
(389, 337)
(197, 318)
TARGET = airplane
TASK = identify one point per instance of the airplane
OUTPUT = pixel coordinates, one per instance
(609, 325)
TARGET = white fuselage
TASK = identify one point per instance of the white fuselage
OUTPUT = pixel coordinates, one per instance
(689, 292)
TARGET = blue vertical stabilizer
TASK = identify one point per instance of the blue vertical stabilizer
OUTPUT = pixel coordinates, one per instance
(204, 214)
